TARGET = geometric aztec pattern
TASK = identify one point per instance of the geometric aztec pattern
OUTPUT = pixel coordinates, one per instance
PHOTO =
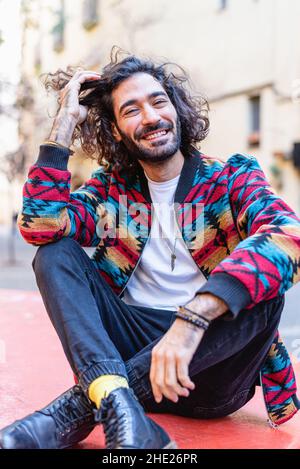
(279, 384)
(244, 230)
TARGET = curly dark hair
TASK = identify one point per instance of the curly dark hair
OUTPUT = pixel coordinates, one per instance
(95, 133)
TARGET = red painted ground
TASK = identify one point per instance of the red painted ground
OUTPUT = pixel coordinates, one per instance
(33, 371)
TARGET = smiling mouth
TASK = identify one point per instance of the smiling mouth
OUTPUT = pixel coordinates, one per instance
(155, 135)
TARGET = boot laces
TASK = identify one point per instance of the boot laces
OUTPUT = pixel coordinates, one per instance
(114, 424)
(71, 411)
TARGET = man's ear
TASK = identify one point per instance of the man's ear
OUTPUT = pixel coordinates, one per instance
(115, 132)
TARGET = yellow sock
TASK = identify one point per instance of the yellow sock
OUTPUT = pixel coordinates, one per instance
(102, 386)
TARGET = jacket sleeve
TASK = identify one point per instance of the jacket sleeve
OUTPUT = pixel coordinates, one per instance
(50, 211)
(266, 261)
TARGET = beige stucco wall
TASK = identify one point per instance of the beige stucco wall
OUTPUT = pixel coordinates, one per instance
(250, 46)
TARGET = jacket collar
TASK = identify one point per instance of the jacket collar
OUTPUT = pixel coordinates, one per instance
(191, 163)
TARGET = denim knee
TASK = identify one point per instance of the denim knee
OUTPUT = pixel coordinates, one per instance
(47, 253)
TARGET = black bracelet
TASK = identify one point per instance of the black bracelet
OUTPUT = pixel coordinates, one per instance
(182, 309)
(195, 321)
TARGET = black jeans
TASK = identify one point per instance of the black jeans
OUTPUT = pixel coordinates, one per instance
(101, 334)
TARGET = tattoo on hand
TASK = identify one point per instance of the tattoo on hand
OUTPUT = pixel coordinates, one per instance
(210, 306)
(193, 334)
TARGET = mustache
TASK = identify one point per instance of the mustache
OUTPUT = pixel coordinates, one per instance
(152, 128)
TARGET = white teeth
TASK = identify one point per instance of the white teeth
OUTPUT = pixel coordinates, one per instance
(157, 134)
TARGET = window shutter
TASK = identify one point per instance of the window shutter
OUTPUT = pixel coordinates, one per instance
(90, 17)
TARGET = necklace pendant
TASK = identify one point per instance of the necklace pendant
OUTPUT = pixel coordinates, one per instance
(173, 257)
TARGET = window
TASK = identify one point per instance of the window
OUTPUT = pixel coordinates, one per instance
(90, 14)
(254, 108)
(223, 4)
(58, 31)
(296, 155)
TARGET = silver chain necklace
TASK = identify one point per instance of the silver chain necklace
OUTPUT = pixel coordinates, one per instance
(171, 249)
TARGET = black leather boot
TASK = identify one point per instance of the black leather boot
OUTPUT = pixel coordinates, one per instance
(64, 422)
(125, 424)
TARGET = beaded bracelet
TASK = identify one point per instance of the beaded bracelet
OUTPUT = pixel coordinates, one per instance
(184, 308)
(196, 322)
(192, 317)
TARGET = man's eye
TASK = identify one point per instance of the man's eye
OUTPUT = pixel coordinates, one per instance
(130, 111)
(160, 101)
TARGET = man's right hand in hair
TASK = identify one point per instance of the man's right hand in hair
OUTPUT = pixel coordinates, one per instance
(71, 112)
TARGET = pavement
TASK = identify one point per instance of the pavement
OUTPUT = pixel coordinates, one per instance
(31, 348)
(28, 340)
(16, 273)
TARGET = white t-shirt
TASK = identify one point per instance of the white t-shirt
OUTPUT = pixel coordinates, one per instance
(154, 284)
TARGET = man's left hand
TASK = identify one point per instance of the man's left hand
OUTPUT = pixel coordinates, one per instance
(172, 355)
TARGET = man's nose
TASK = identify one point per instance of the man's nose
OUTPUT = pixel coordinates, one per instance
(150, 116)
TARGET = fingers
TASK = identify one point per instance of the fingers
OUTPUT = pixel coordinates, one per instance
(173, 387)
(82, 76)
(68, 96)
(183, 375)
(79, 78)
(156, 375)
(169, 377)
(84, 72)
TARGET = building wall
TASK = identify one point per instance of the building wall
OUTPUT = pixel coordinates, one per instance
(249, 47)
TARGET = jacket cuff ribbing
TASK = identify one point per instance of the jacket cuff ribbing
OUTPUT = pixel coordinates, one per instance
(230, 290)
(53, 157)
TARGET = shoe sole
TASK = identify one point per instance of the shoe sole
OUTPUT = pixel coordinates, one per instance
(171, 445)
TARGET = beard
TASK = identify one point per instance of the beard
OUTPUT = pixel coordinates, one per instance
(160, 151)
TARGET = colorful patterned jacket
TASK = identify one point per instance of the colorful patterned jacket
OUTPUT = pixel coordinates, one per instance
(247, 243)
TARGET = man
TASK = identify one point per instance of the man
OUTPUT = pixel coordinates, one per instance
(178, 309)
